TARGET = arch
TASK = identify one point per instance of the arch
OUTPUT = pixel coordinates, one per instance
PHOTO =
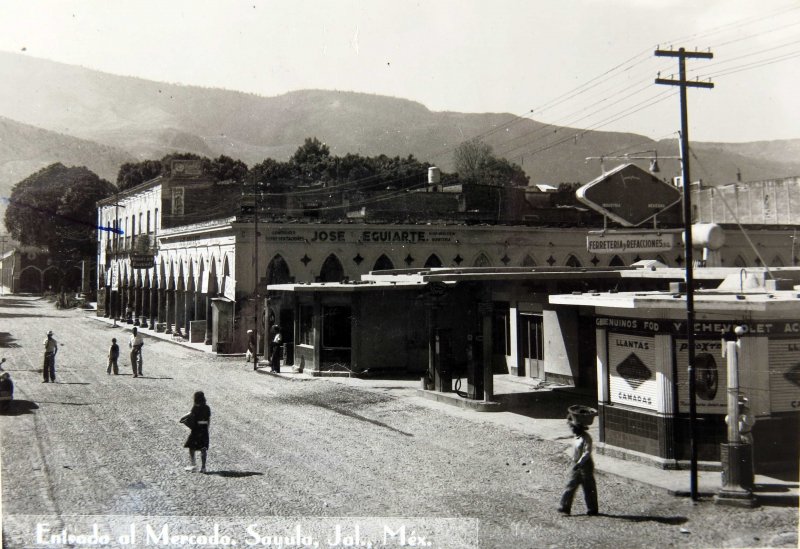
(432, 262)
(52, 278)
(278, 271)
(777, 262)
(573, 261)
(528, 261)
(332, 270)
(383, 263)
(30, 279)
(482, 261)
(661, 259)
(739, 262)
(616, 261)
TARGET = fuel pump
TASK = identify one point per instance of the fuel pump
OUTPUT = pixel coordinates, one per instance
(442, 367)
(474, 369)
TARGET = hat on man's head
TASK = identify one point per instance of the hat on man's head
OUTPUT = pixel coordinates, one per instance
(249, 331)
(5, 375)
(50, 333)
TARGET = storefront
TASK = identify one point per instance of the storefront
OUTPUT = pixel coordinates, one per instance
(642, 369)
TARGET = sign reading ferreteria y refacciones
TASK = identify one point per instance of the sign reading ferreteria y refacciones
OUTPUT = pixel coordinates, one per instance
(629, 195)
(616, 243)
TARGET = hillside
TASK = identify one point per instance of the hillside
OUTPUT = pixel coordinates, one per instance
(136, 118)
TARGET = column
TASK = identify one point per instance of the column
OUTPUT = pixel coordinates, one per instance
(180, 297)
(209, 318)
(168, 299)
(152, 307)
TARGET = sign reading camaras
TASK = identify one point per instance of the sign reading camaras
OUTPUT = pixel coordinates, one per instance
(629, 243)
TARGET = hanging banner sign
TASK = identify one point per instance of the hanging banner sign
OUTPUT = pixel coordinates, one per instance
(142, 261)
(114, 276)
(229, 290)
(618, 243)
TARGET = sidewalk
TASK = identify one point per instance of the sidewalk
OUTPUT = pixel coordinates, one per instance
(546, 421)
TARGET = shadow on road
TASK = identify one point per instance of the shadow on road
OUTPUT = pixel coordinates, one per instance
(647, 518)
(19, 407)
(6, 340)
(71, 383)
(65, 403)
(149, 377)
(234, 474)
(782, 500)
(11, 302)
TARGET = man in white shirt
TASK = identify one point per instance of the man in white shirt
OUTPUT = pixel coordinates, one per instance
(135, 343)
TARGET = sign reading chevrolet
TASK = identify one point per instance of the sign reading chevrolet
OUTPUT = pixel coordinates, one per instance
(629, 195)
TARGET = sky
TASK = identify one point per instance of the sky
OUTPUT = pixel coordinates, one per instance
(579, 63)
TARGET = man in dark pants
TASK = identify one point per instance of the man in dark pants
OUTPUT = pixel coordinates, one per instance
(136, 342)
(49, 366)
(582, 472)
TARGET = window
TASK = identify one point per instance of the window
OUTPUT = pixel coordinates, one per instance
(306, 325)
(336, 327)
(501, 330)
(148, 221)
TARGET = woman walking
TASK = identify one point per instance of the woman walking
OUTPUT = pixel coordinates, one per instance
(197, 420)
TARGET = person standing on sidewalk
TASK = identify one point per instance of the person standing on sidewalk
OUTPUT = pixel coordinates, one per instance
(136, 342)
(197, 420)
(251, 349)
(275, 357)
(6, 391)
(50, 350)
(581, 473)
(113, 356)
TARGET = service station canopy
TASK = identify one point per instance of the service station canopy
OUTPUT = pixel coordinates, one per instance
(629, 195)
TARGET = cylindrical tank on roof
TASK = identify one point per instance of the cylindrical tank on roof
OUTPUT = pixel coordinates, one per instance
(434, 175)
(706, 235)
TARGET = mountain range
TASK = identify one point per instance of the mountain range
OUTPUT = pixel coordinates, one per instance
(53, 112)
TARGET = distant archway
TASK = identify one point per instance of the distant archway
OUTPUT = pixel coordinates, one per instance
(433, 262)
(482, 261)
(383, 263)
(528, 261)
(278, 271)
(332, 270)
(739, 262)
(573, 261)
(616, 261)
(777, 262)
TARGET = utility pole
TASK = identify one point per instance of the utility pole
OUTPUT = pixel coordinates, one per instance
(682, 55)
(256, 201)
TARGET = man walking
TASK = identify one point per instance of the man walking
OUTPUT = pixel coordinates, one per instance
(581, 472)
(136, 342)
(50, 350)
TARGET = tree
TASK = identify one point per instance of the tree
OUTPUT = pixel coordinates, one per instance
(225, 168)
(470, 156)
(312, 161)
(476, 163)
(55, 208)
(132, 174)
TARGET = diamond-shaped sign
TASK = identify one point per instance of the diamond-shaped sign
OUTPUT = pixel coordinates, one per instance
(629, 195)
(634, 371)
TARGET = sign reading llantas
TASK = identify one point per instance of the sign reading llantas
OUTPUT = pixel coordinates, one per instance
(629, 195)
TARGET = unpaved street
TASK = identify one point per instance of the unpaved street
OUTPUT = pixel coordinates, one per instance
(98, 444)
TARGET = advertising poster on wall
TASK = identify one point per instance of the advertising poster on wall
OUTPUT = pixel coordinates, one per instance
(711, 377)
(784, 374)
(632, 370)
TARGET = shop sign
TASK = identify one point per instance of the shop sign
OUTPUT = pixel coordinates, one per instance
(632, 367)
(629, 195)
(710, 376)
(378, 236)
(701, 327)
(618, 243)
(142, 261)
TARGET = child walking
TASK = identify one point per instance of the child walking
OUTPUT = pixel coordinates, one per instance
(113, 355)
(197, 420)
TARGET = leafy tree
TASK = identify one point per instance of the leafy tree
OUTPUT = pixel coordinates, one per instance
(476, 163)
(132, 174)
(312, 161)
(225, 168)
(56, 208)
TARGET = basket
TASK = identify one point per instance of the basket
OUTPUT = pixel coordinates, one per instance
(582, 415)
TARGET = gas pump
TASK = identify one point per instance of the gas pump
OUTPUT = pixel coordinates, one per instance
(442, 357)
(474, 367)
